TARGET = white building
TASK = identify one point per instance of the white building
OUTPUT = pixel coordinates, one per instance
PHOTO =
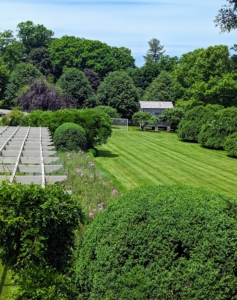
(156, 108)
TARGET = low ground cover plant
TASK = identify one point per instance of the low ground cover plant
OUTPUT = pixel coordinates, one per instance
(69, 137)
(161, 242)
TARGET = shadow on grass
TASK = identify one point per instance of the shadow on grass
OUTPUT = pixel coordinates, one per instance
(106, 153)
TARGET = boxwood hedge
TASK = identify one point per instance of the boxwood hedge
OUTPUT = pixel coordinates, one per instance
(161, 242)
(69, 137)
(231, 145)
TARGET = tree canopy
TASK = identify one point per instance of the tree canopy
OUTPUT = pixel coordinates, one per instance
(118, 91)
(154, 52)
(76, 86)
(227, 16)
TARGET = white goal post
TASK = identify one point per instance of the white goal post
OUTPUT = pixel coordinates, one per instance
(119, 123)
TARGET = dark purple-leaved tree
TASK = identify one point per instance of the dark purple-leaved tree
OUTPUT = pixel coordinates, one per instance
(93, 79)
(43, 97)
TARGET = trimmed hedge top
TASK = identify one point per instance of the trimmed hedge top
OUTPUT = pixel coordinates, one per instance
(162, 242)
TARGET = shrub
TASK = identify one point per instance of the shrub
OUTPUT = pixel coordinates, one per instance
(96, 123)
(69, 137)
(14, 118)
(37, 237)
(191, 124)
(214, 133)
(161, 242)
(37, 118)
(231, 145)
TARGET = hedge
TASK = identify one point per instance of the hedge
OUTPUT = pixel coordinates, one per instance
(70, 137)
(161, 242)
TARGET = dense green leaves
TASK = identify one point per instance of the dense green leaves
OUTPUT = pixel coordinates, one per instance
(215, 131)
(37, 236)
(160, 89)
(118, 91)
(76, 86)
(96, 123)
(80, 53)
(70, 137)
(196, 68)
(33, 36)
(191, 124)
(20, 77)
(162, 242)
(231, 145)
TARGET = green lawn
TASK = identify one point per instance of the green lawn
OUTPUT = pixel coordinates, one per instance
(138, 158)
(6, 288)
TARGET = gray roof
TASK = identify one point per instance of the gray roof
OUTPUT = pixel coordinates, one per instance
(156, 104)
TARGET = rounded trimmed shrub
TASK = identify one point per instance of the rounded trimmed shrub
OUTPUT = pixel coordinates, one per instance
(161, 242)
(231, 145)
(69, 137)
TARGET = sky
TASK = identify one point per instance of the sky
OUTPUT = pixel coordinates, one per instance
(180, 25)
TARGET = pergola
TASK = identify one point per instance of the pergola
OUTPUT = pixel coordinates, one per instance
(28, 150)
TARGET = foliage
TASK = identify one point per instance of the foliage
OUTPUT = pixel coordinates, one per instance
(80, 53)
(192, 121)
(215, 131)
(4, 77)
(227, 17)
(41, 96)
(33, 36)
(96, 123)
(112, 112)
(143, 118)
(76, 86)
(93, 79)
(21, 76)
(37, 235)
(70, 137)
(37, 118)
(118, 91)
(196, 68)
(155, 51)
(160, 89)
(40, 58)
(142, 77)
(12, 51)
(152, 239)
(14, 118)
(173, 116)
(231, 145)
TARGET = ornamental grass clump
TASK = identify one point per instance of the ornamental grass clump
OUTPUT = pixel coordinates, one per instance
(69, 137)
(93, 188)
(161, 242)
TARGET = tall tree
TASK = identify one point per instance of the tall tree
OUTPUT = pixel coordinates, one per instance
(227, 16)
(160, 89)
(33, 36)
(76, 86)
(42, 96)
(20, 77)
(155, 51)
(118, 91)
(40, 58)
(93, 79)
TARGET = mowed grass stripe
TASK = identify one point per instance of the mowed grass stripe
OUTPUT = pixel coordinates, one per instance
(155, 158)
(167, 175)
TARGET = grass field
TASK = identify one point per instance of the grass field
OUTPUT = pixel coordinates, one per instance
(139, 158)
